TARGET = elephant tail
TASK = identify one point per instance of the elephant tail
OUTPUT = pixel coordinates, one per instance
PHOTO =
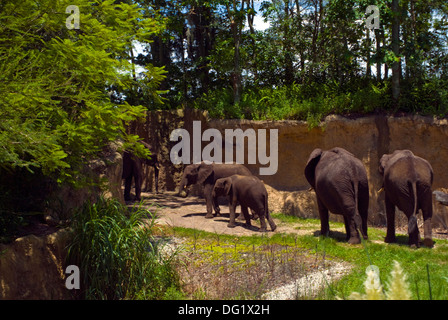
(268, 215)
(412, 222)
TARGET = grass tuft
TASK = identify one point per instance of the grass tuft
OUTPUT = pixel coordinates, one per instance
(117, 254)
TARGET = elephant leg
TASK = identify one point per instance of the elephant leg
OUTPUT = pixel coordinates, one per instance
(246, 215)
(354, 234)
(347, 228)
(390, 218)
(156, 178)
(241, 215)
(254, 214)
(323, 215)
(414, 233)
(427, 226)
(216, 206)
(271, 221)
(261, 215)
(138, 179)
(127, 188)
(208, 188)
(363, 208)
(232, 207)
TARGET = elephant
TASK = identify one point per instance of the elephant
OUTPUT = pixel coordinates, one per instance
(207, 174)
(441, 197)
(248, 191)
(407, 182)
(132, 168)
(340, 182)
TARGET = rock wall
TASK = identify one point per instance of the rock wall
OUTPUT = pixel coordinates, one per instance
(368, 138)
(33, 268)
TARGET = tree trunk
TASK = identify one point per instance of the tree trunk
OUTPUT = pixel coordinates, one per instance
(378, 50)
(236, 26)
(368, 65)
(396, 66)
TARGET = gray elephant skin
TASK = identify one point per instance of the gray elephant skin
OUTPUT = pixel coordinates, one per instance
(407, 182)
(340, 182)
(132, 169)
(207, 174)
(248, 192)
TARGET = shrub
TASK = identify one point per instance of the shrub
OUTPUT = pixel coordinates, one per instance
(117, 254)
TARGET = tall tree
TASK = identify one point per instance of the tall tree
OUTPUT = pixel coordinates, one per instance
(396, 66)
(236, 13)
(56, 82)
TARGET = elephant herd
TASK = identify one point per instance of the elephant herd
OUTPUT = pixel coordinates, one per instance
(237, 183)
(340, 182)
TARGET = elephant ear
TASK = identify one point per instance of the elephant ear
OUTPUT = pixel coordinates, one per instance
(227, 186)
(383, 163)
(204, 171)
(310, 167)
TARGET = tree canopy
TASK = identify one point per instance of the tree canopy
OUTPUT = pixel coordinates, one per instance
(58, 82)
(315, 54)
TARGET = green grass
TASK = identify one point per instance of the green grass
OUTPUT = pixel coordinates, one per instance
(415, 262)
(375, 251)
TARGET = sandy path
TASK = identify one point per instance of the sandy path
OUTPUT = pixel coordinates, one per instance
(190, 213)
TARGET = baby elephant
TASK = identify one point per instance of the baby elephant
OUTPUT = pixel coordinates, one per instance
(248, 191)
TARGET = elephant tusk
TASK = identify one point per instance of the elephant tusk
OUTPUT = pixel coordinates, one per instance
(381, 190)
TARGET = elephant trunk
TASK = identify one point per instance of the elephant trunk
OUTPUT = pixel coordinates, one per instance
(182, 192)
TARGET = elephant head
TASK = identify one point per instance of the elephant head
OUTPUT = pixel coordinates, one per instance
(314, 159)
(310, 167)
(222, 187)
(195, 173)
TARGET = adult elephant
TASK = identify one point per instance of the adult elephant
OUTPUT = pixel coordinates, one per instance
(207, 174)
(132, 169)
(407, 181)
(249, 192)
(340, 182)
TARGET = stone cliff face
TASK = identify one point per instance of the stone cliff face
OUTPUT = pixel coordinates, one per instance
(368, 138)
(32, 268)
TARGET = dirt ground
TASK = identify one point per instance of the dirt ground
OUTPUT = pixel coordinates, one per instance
(189, 212)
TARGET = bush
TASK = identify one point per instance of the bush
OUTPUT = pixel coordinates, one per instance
(310, 102)
(118, 256)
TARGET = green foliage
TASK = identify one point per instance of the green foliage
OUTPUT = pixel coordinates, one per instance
(323, 46)
(56, 84)
(117, 254)
(296, 102)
